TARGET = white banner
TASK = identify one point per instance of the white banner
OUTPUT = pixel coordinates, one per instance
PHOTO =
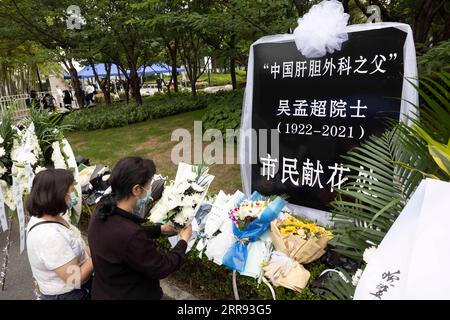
(413, 260)
(30, 174)
(20, 214)
(72, 164)
(3, 220)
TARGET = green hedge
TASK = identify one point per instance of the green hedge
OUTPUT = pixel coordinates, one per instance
(121, 114)
(225, 112)
(215, 282)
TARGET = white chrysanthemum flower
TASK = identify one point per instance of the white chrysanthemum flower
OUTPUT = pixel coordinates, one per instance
(35, 147)
(184, 216)
(188, 212)
(180, 219)
(197, 198)
(189, 201)
(2, 170)
(10, 199)
(368, 253)
(356, 277)
(31, 143)
(243, 213)
(21, 177)
(57, 157)
(26, 157)
(2, 152)
(15, 149)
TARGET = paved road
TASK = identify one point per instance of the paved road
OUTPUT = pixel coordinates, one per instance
(19, 283)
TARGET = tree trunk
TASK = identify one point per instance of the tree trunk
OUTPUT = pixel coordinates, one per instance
(125, 82)
(107, 95)
(443, 34)
(168, 86)
(173, 59)
(233, 73)
(126, 88)
(299, 6)
(76, 84)
(103, 85)
(39, 78)
(134, 84)
(107, 91)
(424, 19)
(174, 73)
(193, 88)
(233, 61)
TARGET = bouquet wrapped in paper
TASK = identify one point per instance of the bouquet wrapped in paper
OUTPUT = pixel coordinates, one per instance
(218, 227)
(181, 198)
(284, 271)
(304, 242)
(251, 218)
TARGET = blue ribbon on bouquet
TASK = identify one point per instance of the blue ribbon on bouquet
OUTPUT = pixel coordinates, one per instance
(236, 256)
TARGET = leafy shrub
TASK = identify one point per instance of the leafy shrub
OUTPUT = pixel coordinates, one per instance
(121, 114)
(225, 112)
(435, 59)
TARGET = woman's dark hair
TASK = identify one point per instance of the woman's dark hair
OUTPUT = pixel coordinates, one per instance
(127, 173)
(49, 191)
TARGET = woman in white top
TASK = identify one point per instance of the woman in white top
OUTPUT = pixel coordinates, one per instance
(59, 259)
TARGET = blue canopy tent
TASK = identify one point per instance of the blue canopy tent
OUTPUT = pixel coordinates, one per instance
(87, 72)
(157, 68)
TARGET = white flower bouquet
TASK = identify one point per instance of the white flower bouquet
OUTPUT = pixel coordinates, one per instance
(181, 198)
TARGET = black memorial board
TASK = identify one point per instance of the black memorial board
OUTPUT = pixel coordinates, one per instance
(322, 108)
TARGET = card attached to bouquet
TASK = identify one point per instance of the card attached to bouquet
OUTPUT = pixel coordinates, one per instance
(219, 211)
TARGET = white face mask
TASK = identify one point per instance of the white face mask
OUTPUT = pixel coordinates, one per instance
(147, 199)
(72, 201)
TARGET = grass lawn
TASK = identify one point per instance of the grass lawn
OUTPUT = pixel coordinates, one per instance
(149, 139)
(219, 79)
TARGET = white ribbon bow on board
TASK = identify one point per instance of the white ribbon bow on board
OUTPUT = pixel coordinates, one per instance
(322, 30)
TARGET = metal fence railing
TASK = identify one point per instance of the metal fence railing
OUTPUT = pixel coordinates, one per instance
(18, 103)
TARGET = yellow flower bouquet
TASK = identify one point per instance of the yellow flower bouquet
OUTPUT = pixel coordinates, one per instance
(303, 241)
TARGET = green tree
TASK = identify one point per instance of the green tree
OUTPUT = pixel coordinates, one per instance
(45, 22)
(230, 26)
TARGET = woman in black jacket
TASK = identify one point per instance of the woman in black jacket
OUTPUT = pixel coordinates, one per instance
(127, 263)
